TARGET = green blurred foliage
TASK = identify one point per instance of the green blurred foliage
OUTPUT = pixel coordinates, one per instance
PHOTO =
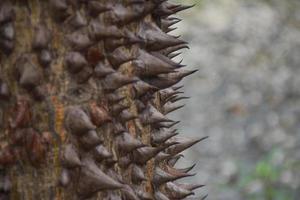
(266, 174)
(264, 170)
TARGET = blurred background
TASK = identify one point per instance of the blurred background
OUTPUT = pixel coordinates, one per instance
(245, 97)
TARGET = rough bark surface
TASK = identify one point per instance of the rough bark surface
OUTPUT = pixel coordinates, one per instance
(84, 90)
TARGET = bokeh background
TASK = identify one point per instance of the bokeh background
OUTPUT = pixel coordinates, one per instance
(245, 97)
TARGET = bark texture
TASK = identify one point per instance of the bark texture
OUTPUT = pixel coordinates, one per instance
(84, 90)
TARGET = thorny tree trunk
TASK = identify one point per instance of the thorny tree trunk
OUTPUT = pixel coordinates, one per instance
(84, 89)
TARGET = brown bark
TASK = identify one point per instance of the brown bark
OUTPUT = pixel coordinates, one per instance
(59, 96)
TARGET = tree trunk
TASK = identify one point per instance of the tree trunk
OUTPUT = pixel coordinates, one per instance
(84, 90)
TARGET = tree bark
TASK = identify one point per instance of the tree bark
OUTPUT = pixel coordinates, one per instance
(81, 76)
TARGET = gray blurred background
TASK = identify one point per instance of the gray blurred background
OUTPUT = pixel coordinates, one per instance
(245, 97)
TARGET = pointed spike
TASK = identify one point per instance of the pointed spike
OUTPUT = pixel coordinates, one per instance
(164, 81)
(176, 36)
(190, 186)
(90, 140)
(163, 10)
(176, 88)
(166, 9)
(69, 157)
(180, 74)
(173, 160)
(173, 55)
(167, 23)
(103, 68)
(60, 8)
(128, 39)
(77, 121)
(137, 174)
(144, 154)
(175, 172)
(169, 50)
(141, 88)
(156, 39)
(162, 135)
(168, 30)
(151, 116)
(167, 93)
(182, 7)
(120, 56)
(98, 31)
(187, 169)
(150, 65)
(131, 38)
(160, 176)
(112, 44)
(176, 192)
(75, 61)
(116, 80)
(78, 20)
(177, 98)
(175, 19)
(166, 60)
(173, 97)
(79, 41)
(169, 107)
(183, 73)
(92, 180)
(101, 153)
(166, 125)
(122, 15)
(142, 69)
(161, 156)
(127, 143)
(183, 144)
